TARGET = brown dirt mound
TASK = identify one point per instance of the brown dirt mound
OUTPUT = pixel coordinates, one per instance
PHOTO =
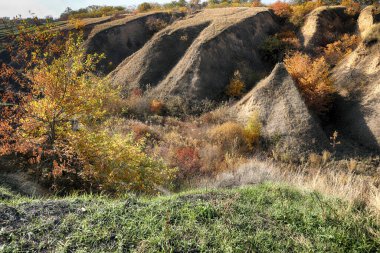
(358, 80)
(120, 38)
(324, 24)
(196, 57)
(285, 117)
(368, 16)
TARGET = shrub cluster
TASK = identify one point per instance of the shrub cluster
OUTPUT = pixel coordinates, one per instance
(229, 135)
(236, 86)
(117, 163)
(336, 51)
(188, 158)
(252, 131)
(92, 11)
(232, 136)
(353, 7)
(312, 78)
(156, 24)
(299, 11)
(281, 9)
(294, 13)
(180, 5)
(233, 3)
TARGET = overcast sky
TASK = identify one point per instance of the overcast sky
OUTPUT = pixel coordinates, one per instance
(43, 8)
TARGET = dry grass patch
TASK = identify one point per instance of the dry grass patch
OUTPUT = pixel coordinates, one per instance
(229, 135)
(332, 179)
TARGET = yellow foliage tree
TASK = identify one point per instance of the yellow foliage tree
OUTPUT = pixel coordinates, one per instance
(62, 92)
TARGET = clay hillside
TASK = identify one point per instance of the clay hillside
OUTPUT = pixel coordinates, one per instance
(192, 126)
(193, 58)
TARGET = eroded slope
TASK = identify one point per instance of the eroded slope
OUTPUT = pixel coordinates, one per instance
(283, 113)
(120, 38)
(358, 80)
(196, 57)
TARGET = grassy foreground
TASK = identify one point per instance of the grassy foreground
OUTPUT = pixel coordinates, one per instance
(263, 218)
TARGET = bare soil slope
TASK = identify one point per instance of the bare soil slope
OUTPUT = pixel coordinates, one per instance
(284, 114)
(324, 24)
(358, 80)
(196, 57)
(120, 38)
(369, 16)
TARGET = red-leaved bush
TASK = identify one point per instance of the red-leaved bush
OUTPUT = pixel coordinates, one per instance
(187, 159)
(281, 9)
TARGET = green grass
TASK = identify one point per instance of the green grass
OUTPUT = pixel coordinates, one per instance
(263, 218)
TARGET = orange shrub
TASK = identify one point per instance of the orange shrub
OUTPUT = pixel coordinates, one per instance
(312, 78)
(77, 23)
(335, 51)
(256, 3)
(141, 131)
(289, 39)
(156, 106)
(281, 9)
(353, 8)
(236, 86)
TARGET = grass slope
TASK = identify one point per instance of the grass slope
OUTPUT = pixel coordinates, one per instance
(263, 218)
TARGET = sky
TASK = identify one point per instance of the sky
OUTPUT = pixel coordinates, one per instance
(43, 8)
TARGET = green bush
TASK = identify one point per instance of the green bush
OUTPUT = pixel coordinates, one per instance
(272, 49)
(252, 130)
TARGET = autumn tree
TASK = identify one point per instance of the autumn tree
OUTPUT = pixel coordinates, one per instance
(59, 124)
(28, 41)
(31, 40)
(64, 91)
